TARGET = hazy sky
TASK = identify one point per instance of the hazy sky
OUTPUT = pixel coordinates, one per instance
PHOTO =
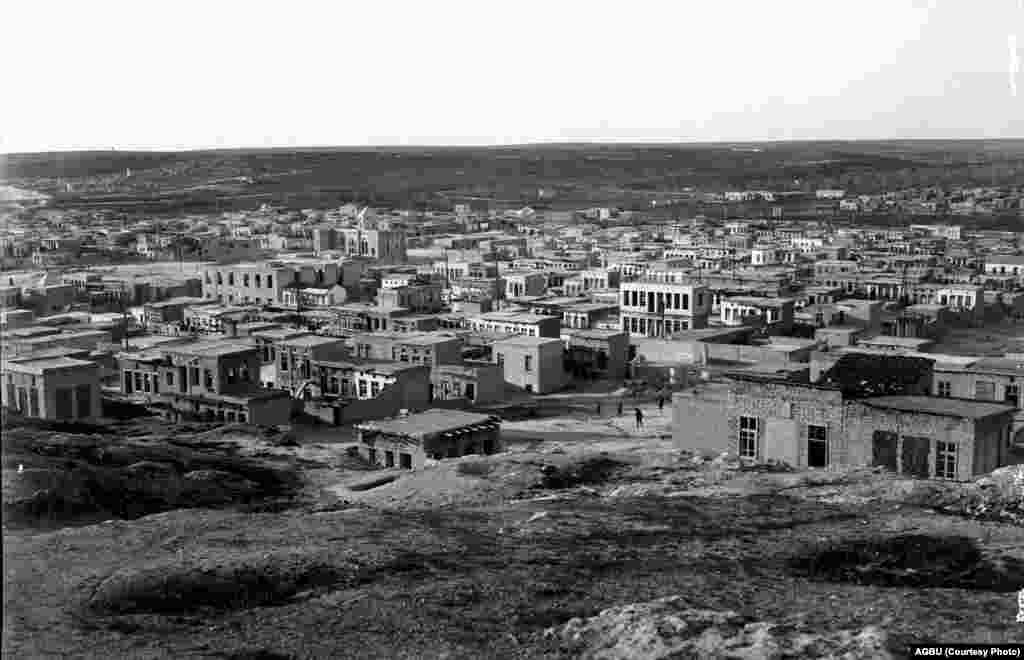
(97, 74)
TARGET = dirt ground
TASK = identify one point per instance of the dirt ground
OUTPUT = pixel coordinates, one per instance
(478, 557)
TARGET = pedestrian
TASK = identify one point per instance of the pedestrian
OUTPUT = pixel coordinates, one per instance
(598, 408)
(661, 404)
(639, 419)
(620, 408)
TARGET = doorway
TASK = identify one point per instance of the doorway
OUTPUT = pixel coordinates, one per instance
(470, 391)
(883, 450)
(817, 446)
(406, 461)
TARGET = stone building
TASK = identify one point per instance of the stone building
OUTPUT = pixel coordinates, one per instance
(772, 418)
(408, 441)
(535, 364)
(217, 380)
(55, 388)
(655, 309)
(598, 353)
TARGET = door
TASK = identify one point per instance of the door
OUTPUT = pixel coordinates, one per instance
(471, 391)
(883, 450)
(389, 459)
(817, 446)
(83, 397)
(406, 461)
(127, 382)
(915, 456)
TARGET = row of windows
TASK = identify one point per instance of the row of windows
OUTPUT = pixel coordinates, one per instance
(649, 326)
(984, 390)
(258, 279)
(659, 300)
(817, 437)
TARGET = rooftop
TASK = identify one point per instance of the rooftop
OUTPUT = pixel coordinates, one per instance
(428, 422)
(309, 340)
(212, 348)
(945, 407)
(522, 340)
(38, 365)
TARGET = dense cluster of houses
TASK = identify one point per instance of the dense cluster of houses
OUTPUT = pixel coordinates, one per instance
(414, 327)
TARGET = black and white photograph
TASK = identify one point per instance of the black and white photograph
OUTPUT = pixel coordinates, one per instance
(458, 330)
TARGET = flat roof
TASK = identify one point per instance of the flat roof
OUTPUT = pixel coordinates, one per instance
(307, 340)
(755, 301)
(517, 317)
(942, 406)
(212, 348)
(886, 340)
(595, 333)
(428, 422)
(386, 367)
(39, 365)
(279, 333)
(522, 340)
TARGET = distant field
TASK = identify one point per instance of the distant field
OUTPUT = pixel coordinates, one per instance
(568, 174)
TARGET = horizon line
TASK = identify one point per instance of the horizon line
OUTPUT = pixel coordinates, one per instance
(517, 145)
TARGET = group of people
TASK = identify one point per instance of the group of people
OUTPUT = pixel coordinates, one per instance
(638, 414)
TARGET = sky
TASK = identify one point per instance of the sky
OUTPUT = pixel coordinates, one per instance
(184, 74)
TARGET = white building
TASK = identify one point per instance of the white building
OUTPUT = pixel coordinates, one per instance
(657, 309)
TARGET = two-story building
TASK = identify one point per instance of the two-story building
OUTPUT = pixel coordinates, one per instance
(657, 309)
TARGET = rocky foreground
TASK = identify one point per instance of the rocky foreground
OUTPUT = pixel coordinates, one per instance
(299, 552)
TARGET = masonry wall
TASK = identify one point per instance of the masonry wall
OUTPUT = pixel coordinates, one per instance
(701, 422)
(661, 350)
(784, 412)
(864, 420)
(270, 412)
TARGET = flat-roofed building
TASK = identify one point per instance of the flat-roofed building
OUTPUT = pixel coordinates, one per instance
(54, 388)
(656, 309)
(517, 323)
(534, 364)
(409, 441)
(430, 349)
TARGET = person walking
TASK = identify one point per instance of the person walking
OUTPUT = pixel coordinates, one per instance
(598, 408)
(620, 408)
(661, 404)
(639, 419)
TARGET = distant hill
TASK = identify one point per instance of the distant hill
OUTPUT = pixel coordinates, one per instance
(570, 174)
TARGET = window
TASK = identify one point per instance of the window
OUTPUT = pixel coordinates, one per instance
(944, 388)
(527, 363)
(284, 361)
(945, 460)
(270, 281)
(374, 388)
(169, 378)
(208, 379)
(362, 389)
(501, 359)
(748, 437)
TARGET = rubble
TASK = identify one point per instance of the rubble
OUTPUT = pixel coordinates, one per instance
(672, 628)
